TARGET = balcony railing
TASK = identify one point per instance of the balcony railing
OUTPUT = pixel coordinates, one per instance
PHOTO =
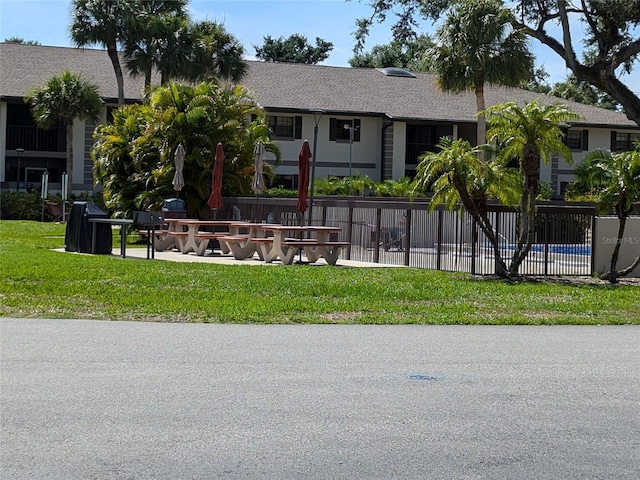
(35, 139)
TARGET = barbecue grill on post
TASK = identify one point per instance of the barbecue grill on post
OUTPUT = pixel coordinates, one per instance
(149, 221)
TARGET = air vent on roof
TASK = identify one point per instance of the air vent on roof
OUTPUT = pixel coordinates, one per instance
(396, 72)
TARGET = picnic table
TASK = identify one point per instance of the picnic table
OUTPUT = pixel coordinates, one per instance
(195, 240)
(242, 239)
(283, 248)
(164, 239)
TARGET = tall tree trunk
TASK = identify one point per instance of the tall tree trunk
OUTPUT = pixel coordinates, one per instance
(481, 130)
(68, 127)
(478, 211)
(530, 169)
(612, 274)
(487, 229)
(115, 61)
(499, 265)
(527, 224)
(626, 271)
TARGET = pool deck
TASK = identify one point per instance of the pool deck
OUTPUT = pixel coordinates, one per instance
(222, 259)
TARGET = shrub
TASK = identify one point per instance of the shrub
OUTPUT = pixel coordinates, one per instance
(20, 206)
(28, 206)
(280, 192)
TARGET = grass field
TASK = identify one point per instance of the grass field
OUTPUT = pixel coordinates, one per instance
(40, 282)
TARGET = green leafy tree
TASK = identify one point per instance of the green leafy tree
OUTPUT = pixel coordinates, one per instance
(531, 133)
(476, 45)
(538, 81)
(410, 55)
(124, 173)
(63, 99)
(582, 92)
(134, 155)
(294, 49)
(458, 177)
(21, 41)
(613, 181)
(612, 37)
(403, 187)
(105, 23)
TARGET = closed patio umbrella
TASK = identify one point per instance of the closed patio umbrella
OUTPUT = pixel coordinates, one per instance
(215, 199)
(303, 176)
(178, 178)
(258, 185)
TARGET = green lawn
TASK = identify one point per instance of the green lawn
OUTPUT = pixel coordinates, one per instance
(40, 282)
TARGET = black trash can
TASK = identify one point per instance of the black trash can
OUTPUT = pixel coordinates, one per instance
(79, 233)
(174, 208)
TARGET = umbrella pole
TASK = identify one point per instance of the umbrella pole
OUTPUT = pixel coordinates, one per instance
(301, 223)
(255, 216)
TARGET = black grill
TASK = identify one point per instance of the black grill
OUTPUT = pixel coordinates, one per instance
(149, 221)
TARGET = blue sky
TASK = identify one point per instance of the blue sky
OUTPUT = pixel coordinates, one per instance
(47, 22)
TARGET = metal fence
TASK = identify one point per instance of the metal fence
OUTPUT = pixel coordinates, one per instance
(404, 232)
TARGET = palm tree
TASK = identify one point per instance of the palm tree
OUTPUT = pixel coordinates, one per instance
(217, 54)
(613, 181)
(105, 23)
(156, 32)
(117, 165)
(134, 155)
(63, 99)
(457, 176)
(530, 134)
(476, 45)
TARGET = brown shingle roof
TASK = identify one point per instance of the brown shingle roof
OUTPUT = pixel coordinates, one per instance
(349, 90)
(25, 67)
(282, 86)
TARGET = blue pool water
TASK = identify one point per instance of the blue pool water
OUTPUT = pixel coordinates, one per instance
(566, 249)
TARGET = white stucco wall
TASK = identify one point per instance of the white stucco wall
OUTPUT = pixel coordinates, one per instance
(599, 138)
(333, 157)
(606, 232)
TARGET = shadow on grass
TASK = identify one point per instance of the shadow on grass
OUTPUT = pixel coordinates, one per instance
(571, 281)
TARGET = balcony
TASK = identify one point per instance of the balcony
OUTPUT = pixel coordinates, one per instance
(36, 139)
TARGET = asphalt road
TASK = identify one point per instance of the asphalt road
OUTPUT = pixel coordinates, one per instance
(118, 400)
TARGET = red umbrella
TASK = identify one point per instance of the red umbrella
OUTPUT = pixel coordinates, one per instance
(215, 199)
(303, 176)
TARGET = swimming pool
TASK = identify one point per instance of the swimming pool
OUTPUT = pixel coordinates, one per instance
(562, 249)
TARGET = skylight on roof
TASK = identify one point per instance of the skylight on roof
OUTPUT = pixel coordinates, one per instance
(396, 72)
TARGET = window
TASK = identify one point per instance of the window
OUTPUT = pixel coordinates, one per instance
(285, 128)
(420, 139)
(110, 110)
(623, 142)
(340, 129)
(577, 139)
